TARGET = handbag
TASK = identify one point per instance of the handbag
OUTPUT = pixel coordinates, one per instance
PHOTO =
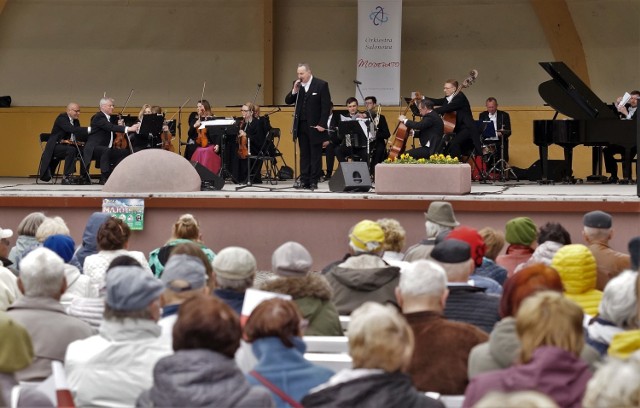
(286, 398)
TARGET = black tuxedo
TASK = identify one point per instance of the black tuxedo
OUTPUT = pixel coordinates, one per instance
(466, 131)
(334, 142)
(503, 122)
(54, 151)
(380, 143)
(611, 150)
(99, 143)
(312, 109)
(431, 130)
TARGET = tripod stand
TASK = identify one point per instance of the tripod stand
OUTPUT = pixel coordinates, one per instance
(501, 166)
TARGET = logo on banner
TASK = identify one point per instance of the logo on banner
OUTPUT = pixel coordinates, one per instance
(378, 17)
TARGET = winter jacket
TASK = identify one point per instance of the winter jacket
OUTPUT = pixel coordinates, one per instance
(372, 388)
(231, 297)
(9, 290)
(201, 378)
(78, 285)
(159, 256)
(469, 304)
(577, 269)
(24, 244)
(600, 332)
(312, 294)
(515, 255)
(503, 348)
(543, 254)
(552, 371)
(624, 344)
(362, 278)
(112, 368)
(490, 269)
(287, 368)
(89, 244)
(610, 263)
(95, 266)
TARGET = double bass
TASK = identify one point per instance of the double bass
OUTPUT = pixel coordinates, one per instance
(449, 118)
(401, 133)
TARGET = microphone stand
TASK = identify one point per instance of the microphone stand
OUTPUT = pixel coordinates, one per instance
(179, 126)
(372, 128)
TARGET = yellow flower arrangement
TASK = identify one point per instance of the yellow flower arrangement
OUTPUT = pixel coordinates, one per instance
(433, 159)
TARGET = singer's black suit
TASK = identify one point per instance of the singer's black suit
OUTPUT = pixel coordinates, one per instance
(431, 130)
(334, 142)
(503, 122)
(54, 151)
(97, 147)
(312, 109)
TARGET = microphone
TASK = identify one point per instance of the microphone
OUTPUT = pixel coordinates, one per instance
(355, 81)
(259, 85)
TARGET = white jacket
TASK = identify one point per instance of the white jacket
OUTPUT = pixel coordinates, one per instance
(9, 291)
(78, 285)
(114, 367)
(95, 266)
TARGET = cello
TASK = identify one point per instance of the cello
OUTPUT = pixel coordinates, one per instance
(449, 118)
(400, 140)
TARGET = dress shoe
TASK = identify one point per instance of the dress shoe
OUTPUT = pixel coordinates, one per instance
(66, 181)
(313, 186)
(103, 179)
(611, 180)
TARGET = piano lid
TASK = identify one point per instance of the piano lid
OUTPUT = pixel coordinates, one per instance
(567, 94)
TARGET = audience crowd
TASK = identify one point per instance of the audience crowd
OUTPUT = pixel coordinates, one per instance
(515, 316)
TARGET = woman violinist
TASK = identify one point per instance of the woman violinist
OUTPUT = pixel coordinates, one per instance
(249, 142)
(203, 112)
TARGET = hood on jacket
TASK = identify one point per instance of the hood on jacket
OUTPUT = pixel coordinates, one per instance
(365, 272)
(577, 268)
(504, 343)
(89, 238)
(624, 344)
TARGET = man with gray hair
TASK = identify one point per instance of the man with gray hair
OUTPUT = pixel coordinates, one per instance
(112, 368)
(39, 311)
(439, 219)
(234, 269)
(597, 232)
(439, 361)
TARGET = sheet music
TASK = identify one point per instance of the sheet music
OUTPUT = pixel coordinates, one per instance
(217, 122)
(624, 99)
(361, 121)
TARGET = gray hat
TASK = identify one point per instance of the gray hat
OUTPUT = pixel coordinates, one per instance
(441, 213)
(451, 251)
(291, 259)
(634, 252)
(234, 263)
(185, 268)
(597, 219)
(131, 288)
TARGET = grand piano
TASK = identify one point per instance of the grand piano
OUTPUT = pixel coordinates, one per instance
(594, 122)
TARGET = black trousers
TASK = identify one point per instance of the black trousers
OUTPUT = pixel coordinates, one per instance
(65, 152)
(310, 142)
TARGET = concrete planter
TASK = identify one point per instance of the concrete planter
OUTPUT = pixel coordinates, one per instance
(453, 179)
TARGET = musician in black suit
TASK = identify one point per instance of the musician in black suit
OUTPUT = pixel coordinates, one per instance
(628, 111)
(344, 150)
(252, 129)
(382, 133)
(502, 124)
(312, 98)
(332, 142)
(431, 130)
(100, 142)
(61, 145)
(465, 133)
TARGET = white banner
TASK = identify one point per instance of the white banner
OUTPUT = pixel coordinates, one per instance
(379, 47)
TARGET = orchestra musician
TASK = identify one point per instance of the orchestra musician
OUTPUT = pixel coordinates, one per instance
(343, 151)
(312, 98)
(100, 141)
(381, 131)
(431, 130)
(203, 112)
(502, 124)
(140, 141)
(61, 144)
(252, 133)
(466, 136)
(629, 111)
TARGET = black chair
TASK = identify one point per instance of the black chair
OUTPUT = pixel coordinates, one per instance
(44, 138)
(269, 154)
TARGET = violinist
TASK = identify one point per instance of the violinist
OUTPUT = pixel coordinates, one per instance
(60, 146)
(250, 140)
(138, 141)
(100, 141)
(431, 130)
(203, 112)
(382, 134)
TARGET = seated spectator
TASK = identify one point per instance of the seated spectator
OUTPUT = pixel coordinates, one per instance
(577, 269)
(234, 270)
(5, 245)
(202, 372)
(616, 313)
(291, 264)
(597, 232)
(439, 218)
(478, 249)
(112, 368)
(39, 311)
(394, 238)
(381, 344)
(521, 234)
(89, 244)
(363, 275)
(193, 249)
(551, 335)
(275, 331)
(501, 351)
(465, 303)
(628, 342)
(26, 237)
(186, 229)
(551, 237)
(529, 399)
(16, 353)
(113, 240)
(494, 241)
(78, 285)
(615, 384)
(9, 291)
(184, 277)
(439, 362)
(51, 226)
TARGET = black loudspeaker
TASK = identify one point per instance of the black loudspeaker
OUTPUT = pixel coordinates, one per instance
(351, 176)
(557, 170)
(210, 180)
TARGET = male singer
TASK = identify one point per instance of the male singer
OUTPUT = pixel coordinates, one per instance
(313, 104)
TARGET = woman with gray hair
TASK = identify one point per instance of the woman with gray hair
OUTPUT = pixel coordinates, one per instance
(616, 312)
(381, 345)
(26, 237)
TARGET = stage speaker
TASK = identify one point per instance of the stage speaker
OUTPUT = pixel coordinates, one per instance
(210, 180)
(351, 176)
(557, 170)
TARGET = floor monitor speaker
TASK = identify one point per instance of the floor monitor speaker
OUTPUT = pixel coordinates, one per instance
(351, 176)
(210, 180)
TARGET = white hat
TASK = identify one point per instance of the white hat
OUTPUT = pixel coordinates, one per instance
(5, 233)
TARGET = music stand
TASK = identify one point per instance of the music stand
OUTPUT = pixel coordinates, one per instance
(151, 127)
(353, 132)
(217, 132)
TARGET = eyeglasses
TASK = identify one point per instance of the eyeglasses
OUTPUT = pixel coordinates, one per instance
(245, 110)
(76, 110)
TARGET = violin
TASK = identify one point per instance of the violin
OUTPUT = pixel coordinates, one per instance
(121, 140)
(166, 138)
(243, 151)
(400, 141)
(203, 139)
